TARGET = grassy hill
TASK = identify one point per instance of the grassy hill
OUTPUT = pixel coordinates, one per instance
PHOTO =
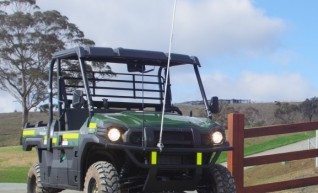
(281, 172)
(256, 114)
(10, 126)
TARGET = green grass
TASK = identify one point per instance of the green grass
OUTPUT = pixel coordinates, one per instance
(271, 144)
(15, 164)
(14, 174)
(277, 142)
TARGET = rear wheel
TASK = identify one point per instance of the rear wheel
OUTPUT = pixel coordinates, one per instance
(34, 181)
(101, 177)
(218, 180)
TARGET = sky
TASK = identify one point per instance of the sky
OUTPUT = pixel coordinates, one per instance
(262, 50)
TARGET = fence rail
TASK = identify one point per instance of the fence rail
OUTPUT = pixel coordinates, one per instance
(237, 161)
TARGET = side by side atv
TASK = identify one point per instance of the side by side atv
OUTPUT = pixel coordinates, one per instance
(104, 135)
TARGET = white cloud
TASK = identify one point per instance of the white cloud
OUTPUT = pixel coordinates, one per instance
(260, 87)
(139, 24)
(205, 27)
(7, 103)
(228, 26)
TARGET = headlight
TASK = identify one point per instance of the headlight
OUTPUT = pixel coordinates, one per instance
(113, 134)
(217, 137)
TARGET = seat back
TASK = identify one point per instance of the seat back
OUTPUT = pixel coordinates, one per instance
(76, 118)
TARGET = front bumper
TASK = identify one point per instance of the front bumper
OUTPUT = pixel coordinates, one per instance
(192, 162)
(204, 157)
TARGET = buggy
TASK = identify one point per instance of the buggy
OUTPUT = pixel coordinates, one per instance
(105, 133)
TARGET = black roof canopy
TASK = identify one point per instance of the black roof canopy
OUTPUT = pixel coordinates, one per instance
(122, 55)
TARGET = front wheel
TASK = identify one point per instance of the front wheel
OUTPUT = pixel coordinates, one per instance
(34, 181)
(218, 180)
(101, 177)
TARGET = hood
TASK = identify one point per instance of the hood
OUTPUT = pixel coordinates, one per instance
(137, 120)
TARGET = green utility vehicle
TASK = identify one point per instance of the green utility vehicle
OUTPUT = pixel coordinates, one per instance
(116, 131)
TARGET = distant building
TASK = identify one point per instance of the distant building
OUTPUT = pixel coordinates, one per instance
(235, 101)
(222, 101)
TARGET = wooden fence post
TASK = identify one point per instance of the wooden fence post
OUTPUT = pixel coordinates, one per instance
(236, 157)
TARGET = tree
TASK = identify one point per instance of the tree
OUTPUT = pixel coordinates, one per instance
(222, 116)
(28, 38)
(253, 117)
(309, 108)
(286, 112)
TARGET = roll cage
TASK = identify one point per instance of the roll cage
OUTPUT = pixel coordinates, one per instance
(136, 61)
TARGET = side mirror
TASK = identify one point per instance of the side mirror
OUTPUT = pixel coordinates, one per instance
(214, 105)
(78, 99)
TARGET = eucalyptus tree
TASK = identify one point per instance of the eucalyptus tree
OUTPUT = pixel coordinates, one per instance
(286, 112)
(28, 38)
(309, 108)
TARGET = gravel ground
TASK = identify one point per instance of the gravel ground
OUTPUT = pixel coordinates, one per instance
(21, 188)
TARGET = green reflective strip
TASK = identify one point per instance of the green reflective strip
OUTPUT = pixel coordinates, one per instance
(71, 136)
(54, 140)
(153, 158)
(199, 158)
(28, 132)
(92, 125)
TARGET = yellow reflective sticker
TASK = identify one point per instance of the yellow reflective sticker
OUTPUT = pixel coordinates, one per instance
(199, 158)
(28, 132)
(92, 125)
(70, 136)
(54, 140)
(45, 140)
(153, 158)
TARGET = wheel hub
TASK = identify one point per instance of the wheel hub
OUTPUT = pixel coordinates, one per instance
(93, 186)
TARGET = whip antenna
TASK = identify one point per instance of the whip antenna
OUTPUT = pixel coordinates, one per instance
(160, 144)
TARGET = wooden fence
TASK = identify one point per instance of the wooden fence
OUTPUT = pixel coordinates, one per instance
(237, 161)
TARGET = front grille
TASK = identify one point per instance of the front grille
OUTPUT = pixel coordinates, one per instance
(174, 138)
(136, 138)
